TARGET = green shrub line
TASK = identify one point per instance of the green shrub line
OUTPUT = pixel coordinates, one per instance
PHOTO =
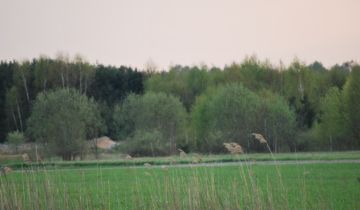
(190, 159)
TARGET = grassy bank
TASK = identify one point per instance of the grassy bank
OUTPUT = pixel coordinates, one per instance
(112, 160)
(314, 186)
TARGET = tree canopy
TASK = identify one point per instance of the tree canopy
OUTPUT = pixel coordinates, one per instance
(232, 112)
(62, 120)
(158, 116)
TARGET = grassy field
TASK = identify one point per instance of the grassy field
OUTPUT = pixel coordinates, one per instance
(295, 186)
(113, 160)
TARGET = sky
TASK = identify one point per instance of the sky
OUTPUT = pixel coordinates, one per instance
(186, 32)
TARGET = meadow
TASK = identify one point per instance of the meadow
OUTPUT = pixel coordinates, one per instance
(246, 185)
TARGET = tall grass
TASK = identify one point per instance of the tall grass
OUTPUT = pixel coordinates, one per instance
(246, 186)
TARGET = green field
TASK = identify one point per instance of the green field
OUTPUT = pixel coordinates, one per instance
(293, 186)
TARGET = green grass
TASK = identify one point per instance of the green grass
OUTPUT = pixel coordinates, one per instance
(296, 186)
(116, 160)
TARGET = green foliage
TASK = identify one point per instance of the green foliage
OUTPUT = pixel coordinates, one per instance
(20, 82)
(146, 143)
(338, 76)
(184, 82)
(6, 75)
(253, 74)
(152, 113)
(310, 140)
(112, 84)
(15, 139)
(332, 128)
(352, 103)
(276, 121)
(247, 186)
(232, 112)
(304, 88)
(317, 66)
(13, 110)
(62, 120)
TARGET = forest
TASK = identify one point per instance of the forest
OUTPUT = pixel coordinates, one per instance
(62, 103)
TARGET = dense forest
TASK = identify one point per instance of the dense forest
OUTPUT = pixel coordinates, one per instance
(62, 102)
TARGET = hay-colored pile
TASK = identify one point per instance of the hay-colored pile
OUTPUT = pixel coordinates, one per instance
(260, 138)
(182, 153)
(5, 170)
(105, 143)
(234, 148)
(25, 157)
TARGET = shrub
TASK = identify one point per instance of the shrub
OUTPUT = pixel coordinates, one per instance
(15, 139)
(146, 143)
(159, 117)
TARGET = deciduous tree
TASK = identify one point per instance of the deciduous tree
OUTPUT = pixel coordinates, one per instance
(62, 120)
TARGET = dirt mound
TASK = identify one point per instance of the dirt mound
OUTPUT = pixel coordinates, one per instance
(105, 143)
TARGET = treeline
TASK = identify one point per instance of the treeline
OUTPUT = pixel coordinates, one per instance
(21, 82)
(297, 107)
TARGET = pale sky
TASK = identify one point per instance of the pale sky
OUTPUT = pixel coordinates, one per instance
(186, 32)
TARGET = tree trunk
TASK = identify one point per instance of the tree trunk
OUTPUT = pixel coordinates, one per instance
(44, 84)
(25, 86)
(14, 118)
(62, 80)
(19, 115)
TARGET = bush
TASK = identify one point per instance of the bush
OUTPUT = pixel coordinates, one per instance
(15, 139)
(232, 112)
(159, 117)
(62, 120)
(308, 140)
(146, 143)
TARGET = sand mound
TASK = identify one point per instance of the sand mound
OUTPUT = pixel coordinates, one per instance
(105, 143)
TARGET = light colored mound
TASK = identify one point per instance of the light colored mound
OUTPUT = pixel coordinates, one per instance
(234, 148)
(5, 170)
(105, 143)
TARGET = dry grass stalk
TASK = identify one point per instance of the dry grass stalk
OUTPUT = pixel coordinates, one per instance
(234, 148)
(182, 153)
(260, 138)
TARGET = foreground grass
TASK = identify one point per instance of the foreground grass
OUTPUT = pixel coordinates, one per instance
(297, 186)
(117, 160)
